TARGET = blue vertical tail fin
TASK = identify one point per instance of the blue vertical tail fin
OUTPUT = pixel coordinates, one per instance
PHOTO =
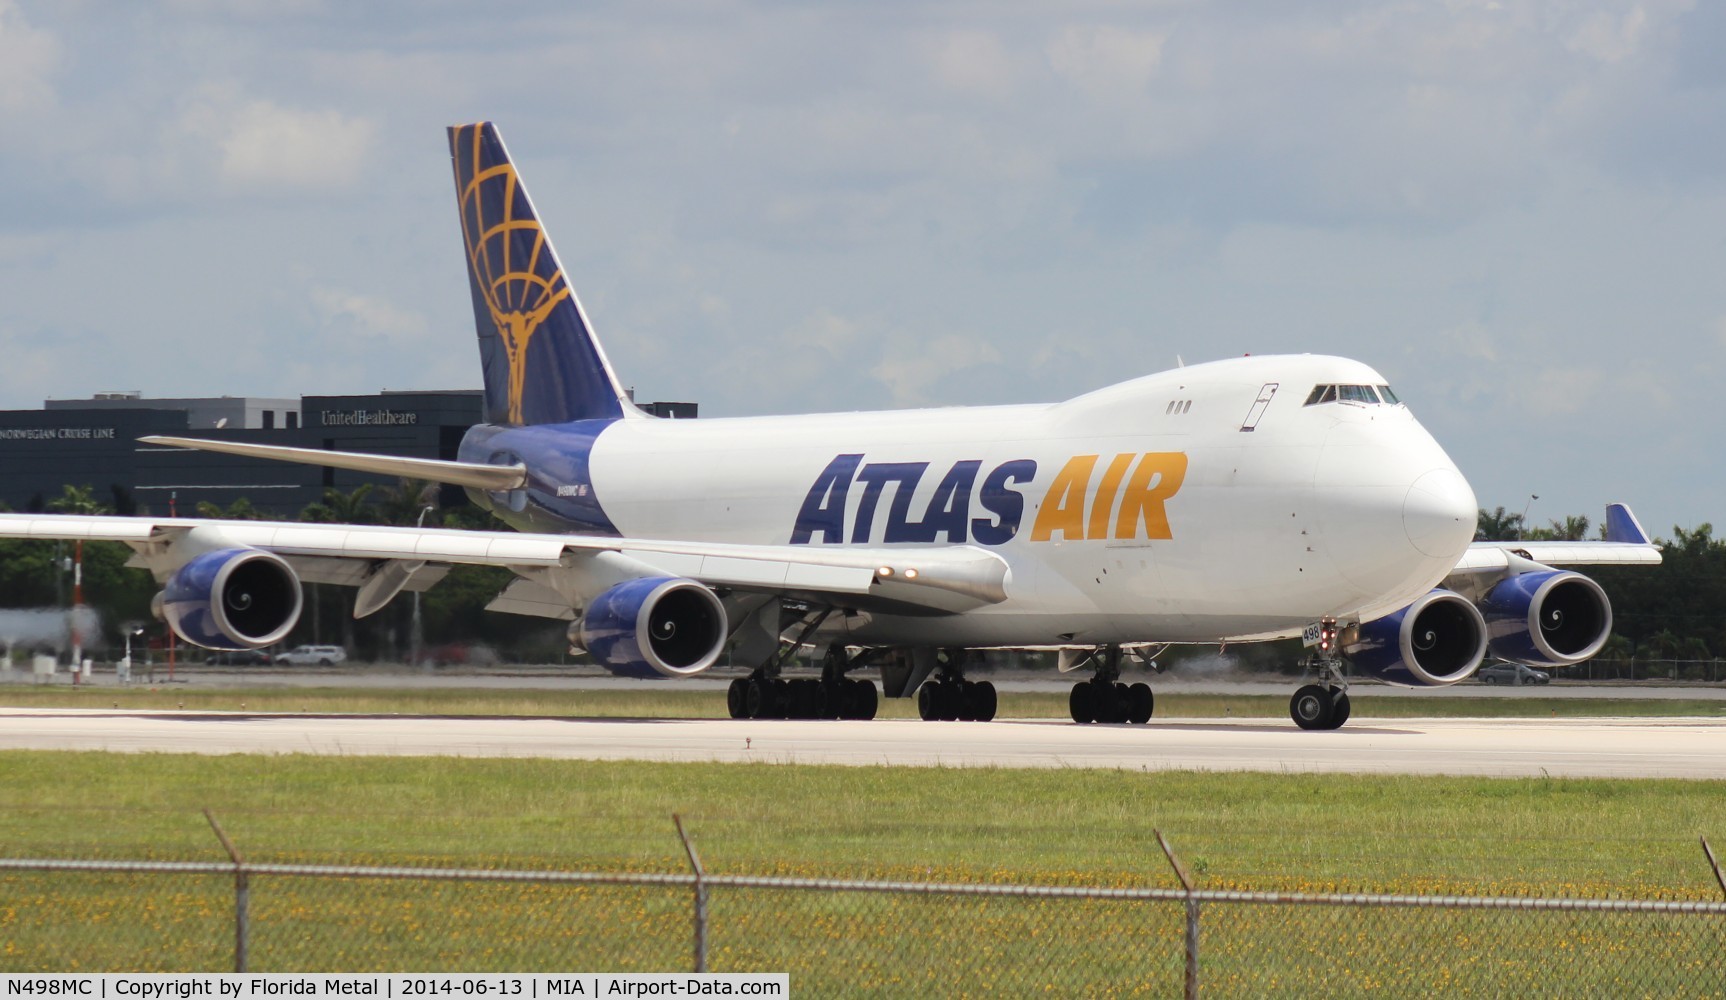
(1622, 525)
(542, 363)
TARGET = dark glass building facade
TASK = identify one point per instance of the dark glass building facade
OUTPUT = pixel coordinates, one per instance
(94, 443)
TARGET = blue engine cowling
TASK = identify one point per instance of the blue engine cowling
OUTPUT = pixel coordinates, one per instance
(1439, 639)
(658, 625)
(239, 598)
(1550, 619)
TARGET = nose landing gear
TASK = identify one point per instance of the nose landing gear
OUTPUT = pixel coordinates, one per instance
(1323, 705)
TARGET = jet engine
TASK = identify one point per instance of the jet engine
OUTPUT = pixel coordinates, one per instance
(1550, 619)
(1439, 639)
(664, 625)
(239, 598)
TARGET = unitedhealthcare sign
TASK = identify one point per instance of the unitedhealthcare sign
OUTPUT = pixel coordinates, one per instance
(367, 418)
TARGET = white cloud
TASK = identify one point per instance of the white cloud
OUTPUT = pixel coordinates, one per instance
(1562, 390)
(912, 368)
(1470, 340)
(368, 315)
(1608, 37)
(1109, 63)
(973, 62)
(268, 146)
(28, 57)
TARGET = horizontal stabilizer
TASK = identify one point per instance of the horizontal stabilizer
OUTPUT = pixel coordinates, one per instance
(484, 477)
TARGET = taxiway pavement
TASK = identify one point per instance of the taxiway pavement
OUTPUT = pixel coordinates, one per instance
(1614, 748)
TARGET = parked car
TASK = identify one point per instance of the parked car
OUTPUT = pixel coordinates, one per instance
(239, 658)
(1512, 673)
(323, 656)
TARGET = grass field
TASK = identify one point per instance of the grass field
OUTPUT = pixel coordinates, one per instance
(1251, 831)
(647, 701)
(1293, 833)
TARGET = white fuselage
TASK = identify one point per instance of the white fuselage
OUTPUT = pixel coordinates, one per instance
(1338, 510)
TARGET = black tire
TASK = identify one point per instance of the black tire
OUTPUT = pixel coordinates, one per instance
(983, 702)
(326, 663)
(1079, 704)
(1338, 710)
(926, 708)
(1140, 703)
(949, 702)
(1108, 704)
(1310, 707)
(737, 698)
(864, 700)
(1123, 702)
(770, 700)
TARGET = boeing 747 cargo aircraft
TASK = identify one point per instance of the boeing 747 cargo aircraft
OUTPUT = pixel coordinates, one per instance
(1248, 499)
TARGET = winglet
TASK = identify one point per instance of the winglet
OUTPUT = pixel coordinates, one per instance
(1622, 526)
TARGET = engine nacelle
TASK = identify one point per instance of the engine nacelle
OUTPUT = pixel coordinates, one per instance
(663, 625)
(239, 598)
(1439, 639)
(1550, 619)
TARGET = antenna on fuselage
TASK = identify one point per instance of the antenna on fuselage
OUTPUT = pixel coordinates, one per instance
(1179, 363)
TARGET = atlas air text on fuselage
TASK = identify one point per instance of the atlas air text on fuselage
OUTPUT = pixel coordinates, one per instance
(1125, 497)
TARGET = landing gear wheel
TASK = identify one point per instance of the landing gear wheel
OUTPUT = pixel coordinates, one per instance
(1339, 710)
(861, 699)
(1311, 707)
(760, 700)
(1140, 701)
(737, 698)
(1079, 703)
(927, 709)
(976, 701)
(1108, 701)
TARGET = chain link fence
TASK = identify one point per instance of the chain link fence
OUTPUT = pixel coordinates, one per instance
(849, 937)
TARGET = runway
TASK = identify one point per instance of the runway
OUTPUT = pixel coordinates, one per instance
(1610, 748)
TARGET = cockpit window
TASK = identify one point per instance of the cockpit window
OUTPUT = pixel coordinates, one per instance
(1371, 395)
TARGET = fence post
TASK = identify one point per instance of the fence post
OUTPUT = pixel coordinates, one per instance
(242, 895)
(1192, 980)
(1714, 864)
(700, 896)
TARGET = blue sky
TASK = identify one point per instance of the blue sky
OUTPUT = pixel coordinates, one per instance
(1516, 211)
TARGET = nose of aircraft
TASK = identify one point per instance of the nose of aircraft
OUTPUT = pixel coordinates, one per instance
(1439, 513)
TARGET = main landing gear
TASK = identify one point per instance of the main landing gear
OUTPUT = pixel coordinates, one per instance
(1104, 698)
(1323, 705)
(949, 696)
(766, 695)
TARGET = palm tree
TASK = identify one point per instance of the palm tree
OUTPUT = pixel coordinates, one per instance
(239, 510)
(1572, 529)
(404, 502)
(342, 508)
(1498, 526)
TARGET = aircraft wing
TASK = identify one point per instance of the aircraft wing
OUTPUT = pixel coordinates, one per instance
(391, 559)
(1625, 544)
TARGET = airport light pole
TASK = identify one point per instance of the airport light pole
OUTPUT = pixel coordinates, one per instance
(1522, 519)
